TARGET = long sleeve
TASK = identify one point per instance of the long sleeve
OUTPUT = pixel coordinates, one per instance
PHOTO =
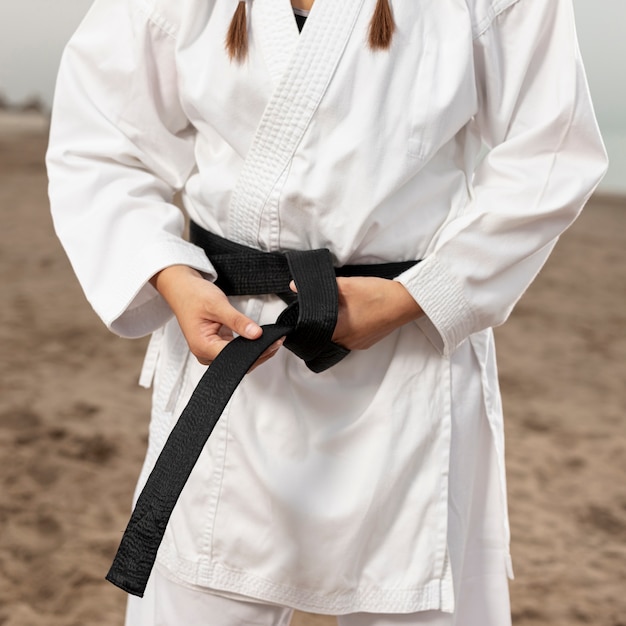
(120, 146)
(545, 158)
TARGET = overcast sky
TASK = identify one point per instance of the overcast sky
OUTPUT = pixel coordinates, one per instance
(33, 32)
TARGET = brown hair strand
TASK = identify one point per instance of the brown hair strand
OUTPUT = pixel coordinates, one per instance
(382, 26)
(237, 37)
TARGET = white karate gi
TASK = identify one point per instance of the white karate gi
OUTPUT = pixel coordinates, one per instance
(330, 492)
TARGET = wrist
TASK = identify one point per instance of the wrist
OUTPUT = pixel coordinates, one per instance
(406, 307)
(171, 282)
(171, 275)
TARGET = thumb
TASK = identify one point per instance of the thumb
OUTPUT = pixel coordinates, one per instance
(241, 324)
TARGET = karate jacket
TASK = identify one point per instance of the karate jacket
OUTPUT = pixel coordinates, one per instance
(470, 144)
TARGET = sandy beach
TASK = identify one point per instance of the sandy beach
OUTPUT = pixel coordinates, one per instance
(73, 422)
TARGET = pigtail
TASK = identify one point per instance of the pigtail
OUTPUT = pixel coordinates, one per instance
(381, 30)
(237, 36)
(382, 26)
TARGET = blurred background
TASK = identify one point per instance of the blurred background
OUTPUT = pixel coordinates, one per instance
(73, 423)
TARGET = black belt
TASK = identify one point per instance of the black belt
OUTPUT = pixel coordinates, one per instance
(308, 323)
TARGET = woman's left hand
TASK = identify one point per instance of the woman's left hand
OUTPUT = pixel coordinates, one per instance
(369, 309)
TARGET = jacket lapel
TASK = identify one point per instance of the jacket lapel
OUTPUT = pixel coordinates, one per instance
(309, 64)
(274, 26)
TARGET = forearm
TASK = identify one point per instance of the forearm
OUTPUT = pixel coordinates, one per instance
(172, 282)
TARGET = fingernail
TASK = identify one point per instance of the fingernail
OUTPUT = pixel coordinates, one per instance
(252, 329)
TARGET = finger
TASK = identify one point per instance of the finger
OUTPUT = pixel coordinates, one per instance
(292, 286)
(272, 350)
(228, 315)
(215, 345)
(268, 354)
(210, 349)
(225, 333)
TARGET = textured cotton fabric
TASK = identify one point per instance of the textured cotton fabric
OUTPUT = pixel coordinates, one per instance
(471, 144)
(475, 535)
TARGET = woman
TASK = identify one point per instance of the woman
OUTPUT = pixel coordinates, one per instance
(374, 489)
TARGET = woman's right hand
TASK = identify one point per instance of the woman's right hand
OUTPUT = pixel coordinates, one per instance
(204, 313)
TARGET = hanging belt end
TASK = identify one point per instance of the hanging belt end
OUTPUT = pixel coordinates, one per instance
(122, 582)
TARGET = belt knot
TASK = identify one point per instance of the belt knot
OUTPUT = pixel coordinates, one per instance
(317, 309)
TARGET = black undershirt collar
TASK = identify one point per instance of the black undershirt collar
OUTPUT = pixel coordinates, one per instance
(300, 16)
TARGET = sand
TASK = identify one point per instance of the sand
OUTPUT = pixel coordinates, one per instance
(73, 422)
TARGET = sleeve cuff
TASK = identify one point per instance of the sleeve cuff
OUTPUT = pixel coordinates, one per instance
(137, 309)
(448, 318)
